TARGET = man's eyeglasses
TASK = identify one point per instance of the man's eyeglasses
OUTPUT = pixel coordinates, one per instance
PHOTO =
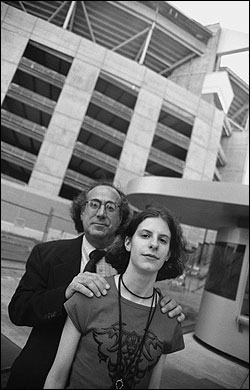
(95, 204)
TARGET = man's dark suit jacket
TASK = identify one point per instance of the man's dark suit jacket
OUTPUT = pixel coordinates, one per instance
(38, 303)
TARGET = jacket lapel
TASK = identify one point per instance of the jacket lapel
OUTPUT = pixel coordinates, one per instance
(69, 263)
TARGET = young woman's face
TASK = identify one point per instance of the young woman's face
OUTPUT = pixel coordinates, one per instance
(149, 246)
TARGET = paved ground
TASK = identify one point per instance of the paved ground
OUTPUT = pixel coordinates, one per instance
(195, 367)
(199, 367)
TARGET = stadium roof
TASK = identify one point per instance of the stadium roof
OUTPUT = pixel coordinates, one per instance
(150, 32)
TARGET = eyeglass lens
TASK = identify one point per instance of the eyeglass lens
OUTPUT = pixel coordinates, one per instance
(95, 204)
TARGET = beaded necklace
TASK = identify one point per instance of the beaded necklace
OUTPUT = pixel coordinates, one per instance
(122, 372)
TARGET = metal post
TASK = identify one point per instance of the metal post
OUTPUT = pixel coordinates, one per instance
(145, 49)
(66, 22)
(148, 38)
(48, 224)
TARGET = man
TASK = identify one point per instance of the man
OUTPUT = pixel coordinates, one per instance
(55, 270)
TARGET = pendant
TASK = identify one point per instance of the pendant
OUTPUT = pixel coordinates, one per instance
(119, 384)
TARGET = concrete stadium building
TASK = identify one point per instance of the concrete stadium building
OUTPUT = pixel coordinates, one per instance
(132, 92)
(116, 90)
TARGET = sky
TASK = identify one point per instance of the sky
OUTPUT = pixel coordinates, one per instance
(233, 15)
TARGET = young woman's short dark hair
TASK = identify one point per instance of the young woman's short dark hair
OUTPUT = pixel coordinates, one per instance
(175, 265)
(79, 203)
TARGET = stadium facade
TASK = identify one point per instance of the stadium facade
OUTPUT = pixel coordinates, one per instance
(112, 90)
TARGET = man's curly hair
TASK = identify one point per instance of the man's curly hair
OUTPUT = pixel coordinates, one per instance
(79, 202)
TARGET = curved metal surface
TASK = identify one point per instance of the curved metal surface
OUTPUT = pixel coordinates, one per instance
(203, 204)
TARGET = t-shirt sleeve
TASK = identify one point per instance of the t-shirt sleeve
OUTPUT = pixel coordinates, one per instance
(176, 342)
(78, 310)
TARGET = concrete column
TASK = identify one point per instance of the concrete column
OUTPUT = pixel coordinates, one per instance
(140, 135)
(56, 150)
(16, 30)
(204, 144)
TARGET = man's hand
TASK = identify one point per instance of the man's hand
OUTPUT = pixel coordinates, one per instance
(169, 306)
(88, 284)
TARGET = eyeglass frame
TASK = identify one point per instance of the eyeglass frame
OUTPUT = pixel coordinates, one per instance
(104, 204)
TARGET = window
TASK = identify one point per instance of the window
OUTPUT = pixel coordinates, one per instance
(225, 269)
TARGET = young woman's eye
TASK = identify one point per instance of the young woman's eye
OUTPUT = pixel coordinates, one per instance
(144, 235)
(163, 241)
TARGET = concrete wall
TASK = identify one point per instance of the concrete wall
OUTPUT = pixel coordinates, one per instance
(27, 212)
(154, 92)
(192, 74)
(16, 30)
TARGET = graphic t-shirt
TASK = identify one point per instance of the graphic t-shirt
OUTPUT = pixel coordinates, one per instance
(94, 365)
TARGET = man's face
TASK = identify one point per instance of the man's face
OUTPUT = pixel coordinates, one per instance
(101, 223)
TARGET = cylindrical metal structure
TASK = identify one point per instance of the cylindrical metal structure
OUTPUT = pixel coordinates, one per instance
(223, 320)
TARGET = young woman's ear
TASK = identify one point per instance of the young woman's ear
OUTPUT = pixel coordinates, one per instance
(127, 244)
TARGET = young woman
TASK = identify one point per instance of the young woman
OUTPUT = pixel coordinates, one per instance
(121, 340)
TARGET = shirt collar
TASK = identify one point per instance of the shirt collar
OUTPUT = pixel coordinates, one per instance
(87, 246)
